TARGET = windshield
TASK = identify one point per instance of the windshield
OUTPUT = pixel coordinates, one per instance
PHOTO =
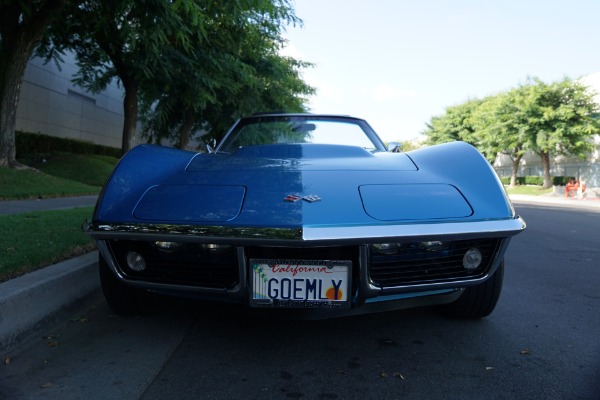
(301, 130)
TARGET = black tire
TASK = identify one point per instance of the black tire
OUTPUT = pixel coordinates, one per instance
(123, 299)
(477, 301)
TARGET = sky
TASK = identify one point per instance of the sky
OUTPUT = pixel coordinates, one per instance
(397, 63)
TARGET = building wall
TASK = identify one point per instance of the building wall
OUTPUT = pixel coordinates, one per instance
(50, 104)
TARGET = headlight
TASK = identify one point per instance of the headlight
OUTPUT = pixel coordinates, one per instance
(135, 261)
(472, 258)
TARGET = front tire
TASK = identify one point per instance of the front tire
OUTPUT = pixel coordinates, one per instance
(477, 301)
(121, 298)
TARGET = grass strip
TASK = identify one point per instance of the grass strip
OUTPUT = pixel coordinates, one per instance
(84, 168)
(29, 184)
(531, 190)
(34, 240)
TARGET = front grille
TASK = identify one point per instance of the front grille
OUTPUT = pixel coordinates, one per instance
(192, 264)
(416, 263)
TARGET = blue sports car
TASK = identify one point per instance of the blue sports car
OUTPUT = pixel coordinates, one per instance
(307, 213)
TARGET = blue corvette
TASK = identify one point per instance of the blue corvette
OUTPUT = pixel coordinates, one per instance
(307, 213)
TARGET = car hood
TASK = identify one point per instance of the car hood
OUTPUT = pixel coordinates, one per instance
(292, 186)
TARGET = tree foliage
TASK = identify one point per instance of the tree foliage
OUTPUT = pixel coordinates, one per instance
(455, 124)
(123, 40)
(559, 118)
(562, 120)
(232, 70)
(177, 58)
(500, 125)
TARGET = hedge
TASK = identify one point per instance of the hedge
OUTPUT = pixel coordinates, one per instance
(538, 180)
(36, 143)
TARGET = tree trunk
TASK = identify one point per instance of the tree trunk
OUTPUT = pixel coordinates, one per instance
(130, 113)
(515, 170)
(18, 38)
(545, 157)
(13, 69)
(188, 124)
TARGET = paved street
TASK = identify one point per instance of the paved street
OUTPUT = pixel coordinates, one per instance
(540, 343)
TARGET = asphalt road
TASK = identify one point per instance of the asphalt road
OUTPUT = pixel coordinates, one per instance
(541, 342)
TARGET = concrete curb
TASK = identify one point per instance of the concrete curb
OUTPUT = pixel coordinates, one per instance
(32, 300)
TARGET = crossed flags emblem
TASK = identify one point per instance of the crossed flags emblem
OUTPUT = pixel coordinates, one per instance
(311, 198)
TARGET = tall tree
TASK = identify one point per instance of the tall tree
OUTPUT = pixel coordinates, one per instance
(124, 40)
(225, 72)
(22, 25)
(501, 125)
(562, 120)
(274, 85)
(455, 124)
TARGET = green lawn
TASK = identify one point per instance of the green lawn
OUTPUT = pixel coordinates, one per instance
(56, 175)
(34, 240)
(528, 189)
(90, 170)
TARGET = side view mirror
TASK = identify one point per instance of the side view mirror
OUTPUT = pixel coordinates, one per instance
(395, 147)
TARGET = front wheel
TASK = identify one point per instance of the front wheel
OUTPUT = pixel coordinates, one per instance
(122, 299)
(477, 301)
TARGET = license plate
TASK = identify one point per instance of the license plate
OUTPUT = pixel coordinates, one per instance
(300, 283)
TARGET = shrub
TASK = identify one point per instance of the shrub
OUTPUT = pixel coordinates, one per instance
(521, 180)
(524, 180)
(534, 180)
(562, 180)
(36, 143)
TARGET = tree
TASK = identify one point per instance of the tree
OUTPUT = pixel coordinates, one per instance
(562, 120)
(455, 124)
(166, 51)
(501, 124)
(235, 64)
(123, 40)
(22, 25)
(549, 119)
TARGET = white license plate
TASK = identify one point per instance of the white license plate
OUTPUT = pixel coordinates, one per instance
(300, 283)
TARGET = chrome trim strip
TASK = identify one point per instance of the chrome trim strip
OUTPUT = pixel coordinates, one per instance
(308, 235)
(454, 230)
(106, 254)
(242, 286)
(209, 233)
(370, 289)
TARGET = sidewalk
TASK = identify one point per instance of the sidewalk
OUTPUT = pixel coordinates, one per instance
(30, 301)
(61, 203)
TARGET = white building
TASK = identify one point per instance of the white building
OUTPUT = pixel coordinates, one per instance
(51, 105)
